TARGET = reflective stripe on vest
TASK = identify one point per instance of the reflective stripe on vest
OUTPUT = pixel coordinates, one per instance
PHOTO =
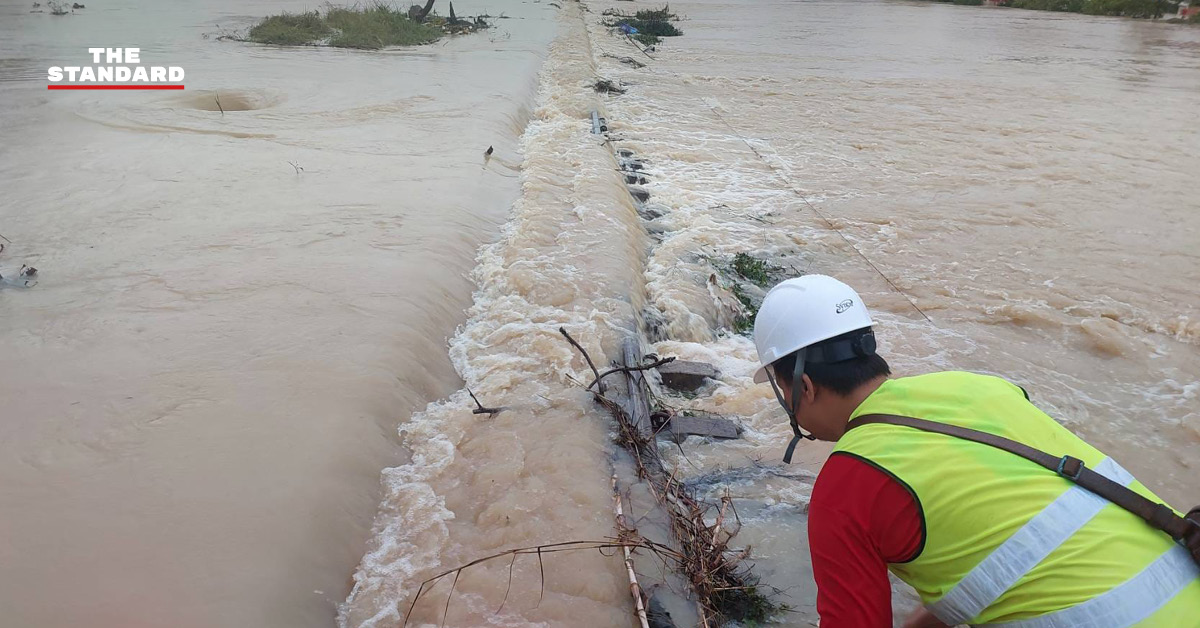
(1031, 544)
(1129, 602)
(1125, 604)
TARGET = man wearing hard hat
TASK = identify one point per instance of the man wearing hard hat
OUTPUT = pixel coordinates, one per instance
(991, 510)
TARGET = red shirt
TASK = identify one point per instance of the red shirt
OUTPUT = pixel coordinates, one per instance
(860, 519)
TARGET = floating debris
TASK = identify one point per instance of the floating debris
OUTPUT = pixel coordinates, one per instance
(26, 277)
(630, 61)
(646, 26)
(605, 86)
(636, 179)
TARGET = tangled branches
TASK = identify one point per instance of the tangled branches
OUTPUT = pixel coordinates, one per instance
(537, 550)
(719, 578)
(724, 586)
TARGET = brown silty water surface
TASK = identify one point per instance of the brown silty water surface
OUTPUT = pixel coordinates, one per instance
(995, 164)
(199, 395)
(991, 163)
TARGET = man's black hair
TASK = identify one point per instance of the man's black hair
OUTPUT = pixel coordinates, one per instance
(840, 377)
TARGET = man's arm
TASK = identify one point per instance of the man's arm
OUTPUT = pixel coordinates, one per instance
(860, 518)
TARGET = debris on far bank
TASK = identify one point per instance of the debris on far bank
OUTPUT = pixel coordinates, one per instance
(647, 26)
(370, 27)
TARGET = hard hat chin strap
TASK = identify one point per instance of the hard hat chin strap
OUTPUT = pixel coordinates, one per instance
(797, 393)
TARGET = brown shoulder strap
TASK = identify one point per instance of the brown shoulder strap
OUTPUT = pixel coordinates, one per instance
(1157, 515)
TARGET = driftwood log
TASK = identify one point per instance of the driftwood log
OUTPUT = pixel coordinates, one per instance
(639, 393)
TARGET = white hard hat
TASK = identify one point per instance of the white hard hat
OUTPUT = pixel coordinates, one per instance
(801, 312)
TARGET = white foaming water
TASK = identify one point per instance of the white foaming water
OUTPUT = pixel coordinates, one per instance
(1001, 199)
(537, 472)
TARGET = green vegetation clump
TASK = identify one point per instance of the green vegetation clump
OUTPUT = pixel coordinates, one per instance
(651, 24)
(752, 269)
(747, 605)
(748, 274)
(1120, 8)
(744, 323)
(377, 27)
(370, 28)
(1066, 6)
(1125, 8)
(290, 29)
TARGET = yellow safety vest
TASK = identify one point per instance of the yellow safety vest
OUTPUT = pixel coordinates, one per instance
(1007, 542)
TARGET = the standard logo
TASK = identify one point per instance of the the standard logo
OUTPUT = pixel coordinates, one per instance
(122, 69)
(845, 305)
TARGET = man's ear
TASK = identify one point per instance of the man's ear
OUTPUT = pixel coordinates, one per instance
(810, 391)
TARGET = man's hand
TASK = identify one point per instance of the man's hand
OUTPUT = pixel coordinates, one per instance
(923, 619)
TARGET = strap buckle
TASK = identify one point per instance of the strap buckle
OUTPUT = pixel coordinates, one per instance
(1191, 537)
(1070, 467)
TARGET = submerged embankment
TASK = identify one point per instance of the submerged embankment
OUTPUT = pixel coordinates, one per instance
(979, 188)
(240, 302)
(537, 472)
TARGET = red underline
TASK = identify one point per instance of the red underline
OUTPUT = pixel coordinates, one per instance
(114, 87)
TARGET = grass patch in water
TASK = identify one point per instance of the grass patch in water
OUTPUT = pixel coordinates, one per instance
(753, 269)
(290, 29)
(745, 321)
(748, 606)
(377, 27)
(368, 28)
(745, 271)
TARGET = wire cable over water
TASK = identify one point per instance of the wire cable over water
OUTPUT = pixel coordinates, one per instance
(795, 190)
(814, 209)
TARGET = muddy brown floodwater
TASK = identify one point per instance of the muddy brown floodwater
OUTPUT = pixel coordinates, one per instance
(199, 395)
(224, 351)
